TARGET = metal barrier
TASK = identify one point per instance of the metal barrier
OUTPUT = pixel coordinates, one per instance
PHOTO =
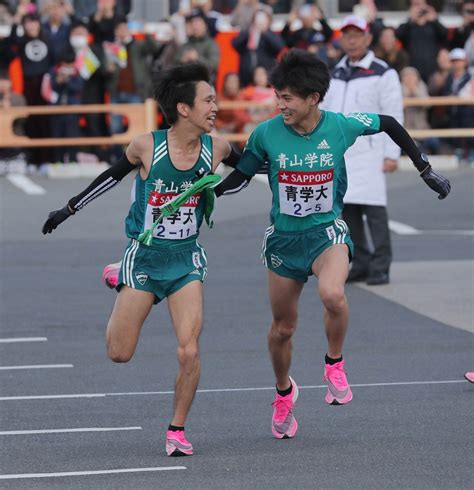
(142, 118)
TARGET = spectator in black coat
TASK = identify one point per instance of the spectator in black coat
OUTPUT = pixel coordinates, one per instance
(56, 27)
(462, 33)
(422, 37)
(35, 54)
(309, 16)
(102, 23)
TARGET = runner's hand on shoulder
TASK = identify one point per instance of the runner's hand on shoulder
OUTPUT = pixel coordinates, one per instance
(436, 182)
(55, 218)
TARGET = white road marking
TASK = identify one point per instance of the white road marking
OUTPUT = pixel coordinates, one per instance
(218, 390)
(448, 232)
(53, 397)
(404, 229)
(61, 431)
(37, 366)
(25, 184)
(23, 339)
(86, 473)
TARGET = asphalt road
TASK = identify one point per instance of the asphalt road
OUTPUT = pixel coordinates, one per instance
(409, 343)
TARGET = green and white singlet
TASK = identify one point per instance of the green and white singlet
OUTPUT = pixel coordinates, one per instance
(306, 173)
(164, 182)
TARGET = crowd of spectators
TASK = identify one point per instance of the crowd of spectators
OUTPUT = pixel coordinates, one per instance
(84, 52)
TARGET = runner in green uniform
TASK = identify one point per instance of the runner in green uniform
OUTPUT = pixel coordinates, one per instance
(304, 149)
(173, 265)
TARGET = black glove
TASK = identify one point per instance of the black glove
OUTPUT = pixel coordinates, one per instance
(55, 218)
(436, 182)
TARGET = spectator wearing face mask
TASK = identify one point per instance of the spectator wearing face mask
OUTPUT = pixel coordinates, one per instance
(258, 46)
(92, 67)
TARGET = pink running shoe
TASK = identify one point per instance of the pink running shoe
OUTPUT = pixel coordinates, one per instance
(284, 424)
(339, 392)
(110, 276)
(469, 377)
(177, 444)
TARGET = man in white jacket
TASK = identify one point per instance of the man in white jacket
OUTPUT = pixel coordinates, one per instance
(362, 82)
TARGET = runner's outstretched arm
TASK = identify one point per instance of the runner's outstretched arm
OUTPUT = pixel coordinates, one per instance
(105, 181)
(399, 135)
(235, 181)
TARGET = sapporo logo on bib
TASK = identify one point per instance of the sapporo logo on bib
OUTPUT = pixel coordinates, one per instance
(305, 193)
(179, 225)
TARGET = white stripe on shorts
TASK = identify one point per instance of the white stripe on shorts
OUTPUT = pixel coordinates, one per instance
(269, 231)
(340, 229)
(128, 261)
(343, 224)
(132, 262)
(203, 254)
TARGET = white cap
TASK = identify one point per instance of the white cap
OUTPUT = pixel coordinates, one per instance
(457, 54)
(355, 21)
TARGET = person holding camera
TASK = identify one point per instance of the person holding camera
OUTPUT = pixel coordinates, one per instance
(422, 37)
(465, 31)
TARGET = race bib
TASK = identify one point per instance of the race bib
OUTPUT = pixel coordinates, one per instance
(179, 225)
(305, 193)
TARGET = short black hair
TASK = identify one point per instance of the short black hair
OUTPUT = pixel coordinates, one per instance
(178, 84)
(79, 23)
(120, 20)
(30, 16)
(301, 72)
